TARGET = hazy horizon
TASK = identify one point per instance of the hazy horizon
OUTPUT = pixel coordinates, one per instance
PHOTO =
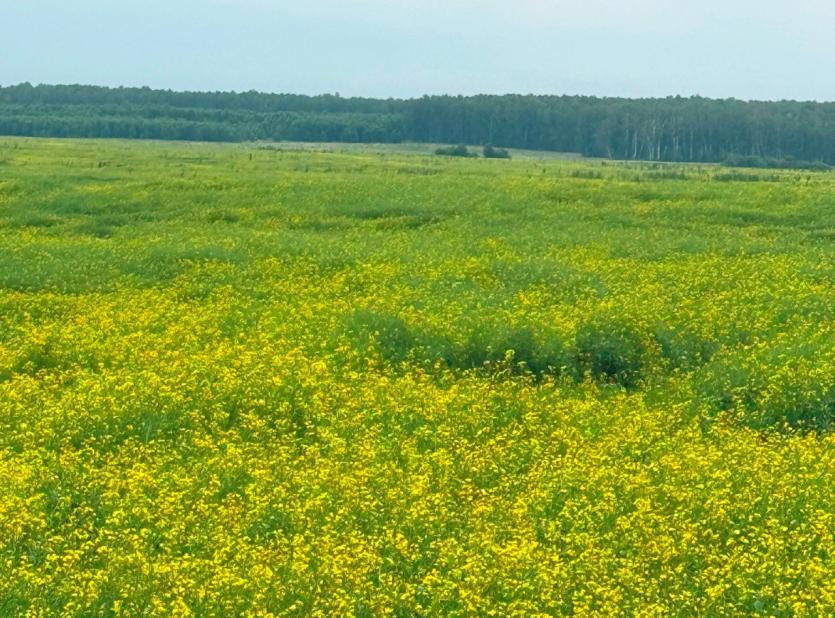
(394, 98)
(403, 48)
(418, 96)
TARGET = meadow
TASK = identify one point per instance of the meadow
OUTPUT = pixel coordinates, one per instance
(240, 380)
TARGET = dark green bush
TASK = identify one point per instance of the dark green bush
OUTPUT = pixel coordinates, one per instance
(389, 334)
(764, 394)
(610, 350)
(785, 382)
(495, 153)
(682, 349)
(490, 348)
(455, 151)
(514, 348)
(734, 160)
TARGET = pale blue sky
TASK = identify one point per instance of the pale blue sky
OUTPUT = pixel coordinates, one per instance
(747, 49)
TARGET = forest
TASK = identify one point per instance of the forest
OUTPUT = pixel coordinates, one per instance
(676, 129)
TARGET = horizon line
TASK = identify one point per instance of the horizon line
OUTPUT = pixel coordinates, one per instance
(336, 94)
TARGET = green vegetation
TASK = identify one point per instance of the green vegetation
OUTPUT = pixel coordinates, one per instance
(495, 153)
(455, 151)
(696, 129)
(239, 380)
(767, 162)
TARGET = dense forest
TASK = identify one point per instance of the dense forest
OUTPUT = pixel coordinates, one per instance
(670, 129)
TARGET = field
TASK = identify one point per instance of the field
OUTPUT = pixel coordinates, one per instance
(246, 381)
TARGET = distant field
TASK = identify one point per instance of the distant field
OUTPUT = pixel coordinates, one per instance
(410, 148)
(236, 380)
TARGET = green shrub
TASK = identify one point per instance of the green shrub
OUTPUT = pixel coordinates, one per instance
(515, 348)
(386, 333)
(455, 151)
(495, 153)
(734, 160)
(682, 349)
(610, 350)
(783, 384)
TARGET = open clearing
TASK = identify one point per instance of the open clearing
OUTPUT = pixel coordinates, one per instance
(237, 380)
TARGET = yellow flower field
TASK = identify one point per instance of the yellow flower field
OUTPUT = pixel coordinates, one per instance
(236, 380)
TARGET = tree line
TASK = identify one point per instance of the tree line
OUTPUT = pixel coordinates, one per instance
(668, 129)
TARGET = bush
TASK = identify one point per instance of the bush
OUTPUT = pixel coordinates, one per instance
(682, 349)
(386, 333)
(784, 385)
(495, 153)
(516, 349)
(455, 151)
(490, 348)
(610, 350)
(734, 160)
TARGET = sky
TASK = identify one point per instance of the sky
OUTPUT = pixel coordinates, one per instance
(747, 49)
